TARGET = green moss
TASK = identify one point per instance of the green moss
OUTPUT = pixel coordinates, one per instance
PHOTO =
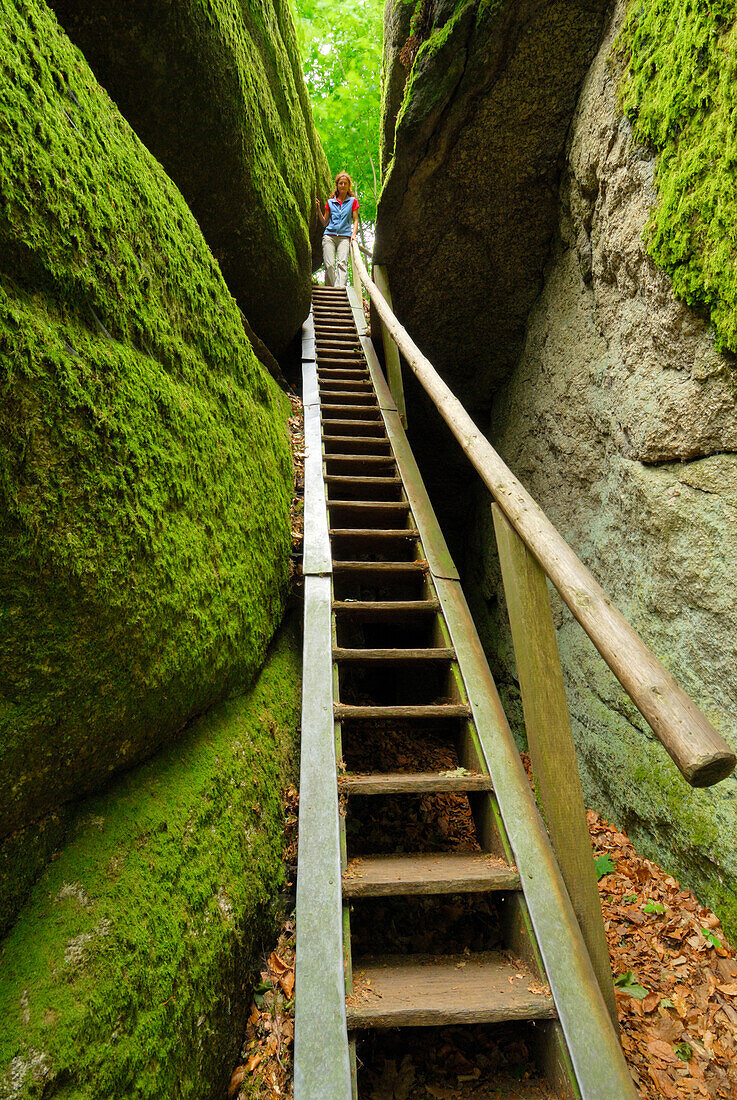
(127, 973)
(428, 89)
(680, 91)
(215, 90)
(145, 475)
(23, 856)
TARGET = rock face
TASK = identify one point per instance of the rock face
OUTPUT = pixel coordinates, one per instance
(621, 419)
(126, 974)
(216, 92)
(145, 475)
(470, 194)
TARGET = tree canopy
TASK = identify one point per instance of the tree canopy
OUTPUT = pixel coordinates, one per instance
(341, 45)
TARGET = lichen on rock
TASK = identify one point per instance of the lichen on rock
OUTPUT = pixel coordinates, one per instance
(145, 475)
(214, 88)
(128, 972)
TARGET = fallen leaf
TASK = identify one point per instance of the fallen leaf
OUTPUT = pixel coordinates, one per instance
(235, 1081)
(286, 981)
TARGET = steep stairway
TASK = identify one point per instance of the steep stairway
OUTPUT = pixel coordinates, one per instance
(418, 792)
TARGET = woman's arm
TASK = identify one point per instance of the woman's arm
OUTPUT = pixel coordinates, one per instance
(355, 223)
(321, 215)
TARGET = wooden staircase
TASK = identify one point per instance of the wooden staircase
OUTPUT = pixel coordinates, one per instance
(402, 665)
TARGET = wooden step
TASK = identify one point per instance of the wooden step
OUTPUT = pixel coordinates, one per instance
(392, 656)
(328, 366)
(368, 608)
(368, 409)
(374, 533)
(331, 346)
(353, 459)
(429, 991)
(349, 479)
(388, 492)
(359, 394)
(338, 371)
(357, 389)
(380, 568)
(355, 423)
(400, 506)
(366, 429)
(346, 415)
(377, 783)
(427, 873)
(419, 712)
(358, 440)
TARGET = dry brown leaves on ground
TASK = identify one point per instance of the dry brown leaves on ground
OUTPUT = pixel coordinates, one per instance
(265, 1072)
(676, 976)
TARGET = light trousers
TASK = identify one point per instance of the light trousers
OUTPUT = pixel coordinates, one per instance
(335, 252)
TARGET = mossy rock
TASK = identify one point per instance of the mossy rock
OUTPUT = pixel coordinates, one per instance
(145, 473)
(469, 200)
(680, 90)
(214, 88)
(128, 972)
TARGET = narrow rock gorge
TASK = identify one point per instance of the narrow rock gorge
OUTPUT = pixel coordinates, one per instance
(545, 287)
(145, 489)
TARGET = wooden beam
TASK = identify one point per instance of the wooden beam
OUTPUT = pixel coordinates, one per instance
(700, 753)
(321, 1058)
(391, 351)
(550, 740)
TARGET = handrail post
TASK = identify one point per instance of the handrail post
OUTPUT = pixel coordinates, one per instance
(550, 740)
(391, 351)
(357, 285)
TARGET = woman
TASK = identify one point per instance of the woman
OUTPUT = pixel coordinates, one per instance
(340, 220)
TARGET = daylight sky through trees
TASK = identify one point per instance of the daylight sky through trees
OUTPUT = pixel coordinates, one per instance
(341, 46)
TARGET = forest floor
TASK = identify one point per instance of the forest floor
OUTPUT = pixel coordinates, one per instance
(675, 977)
(674, 972)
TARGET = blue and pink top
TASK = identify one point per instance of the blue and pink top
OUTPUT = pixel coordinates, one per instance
(340, 213)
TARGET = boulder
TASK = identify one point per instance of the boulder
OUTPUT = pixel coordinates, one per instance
(129, 971)
(145, 471)
(621, 420)
(469, 200)
(473, 138)
(216, 92)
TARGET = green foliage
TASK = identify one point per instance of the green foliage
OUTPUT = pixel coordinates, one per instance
(603, 866)
(627, 983)
(341, 44)
(127, 973)
(684, 1051)
(145, 474)
(711, 937)
(680, 90)
(653, 907)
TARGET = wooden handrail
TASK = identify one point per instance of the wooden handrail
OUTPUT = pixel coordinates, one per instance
(700, 753)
